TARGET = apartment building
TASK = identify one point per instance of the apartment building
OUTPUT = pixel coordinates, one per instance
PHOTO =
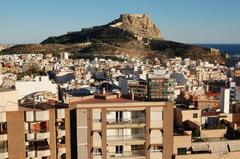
(138, 89)
(34, 131)
(161, 88)
(154, 88)
(208, 100)
(211, 148)
(199, 134)
(110, 127)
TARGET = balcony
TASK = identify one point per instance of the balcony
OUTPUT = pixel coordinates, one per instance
(41, 136)
(37, 130)
(60, 113)
(43, 153)
(137, 139)
(61, 150)
(97, 155)
(158, 124)
(61, 133)
(97, 140)
(61, 142)
(30, 136)
(29, 116)
(126, 123)
(61, 153)
(31, 153)
(3, 117)
(97, 124)
(3, 153)
(156, 137)
(42, 115)
(3, 135)
(61, 124)
(156, 154)
(135, 154)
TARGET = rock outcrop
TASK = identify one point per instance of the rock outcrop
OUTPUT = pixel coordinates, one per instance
(140, 25)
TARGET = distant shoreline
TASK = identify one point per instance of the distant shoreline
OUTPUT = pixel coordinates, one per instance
(231, 49)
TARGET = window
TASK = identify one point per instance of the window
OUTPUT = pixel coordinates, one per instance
(195, 133)
(119, 149)
(42, 144)
(37, 127)
(119, 116)
(3, 128)
(3, 146)
(182, 151)
(97, 151)
(156, 149)
(195, 115)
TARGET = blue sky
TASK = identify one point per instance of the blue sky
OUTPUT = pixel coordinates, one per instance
(190, 21)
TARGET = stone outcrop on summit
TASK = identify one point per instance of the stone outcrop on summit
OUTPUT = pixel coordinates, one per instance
(139, 24)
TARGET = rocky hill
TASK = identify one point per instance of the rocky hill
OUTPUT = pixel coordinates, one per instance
(130, 34)
(124, 29)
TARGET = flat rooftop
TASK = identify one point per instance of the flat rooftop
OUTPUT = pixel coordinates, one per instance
(116, 102)
(6, 90)
(43, 106)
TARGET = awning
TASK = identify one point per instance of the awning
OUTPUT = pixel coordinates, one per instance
(218, 147)
(234, 146)
(200, 147)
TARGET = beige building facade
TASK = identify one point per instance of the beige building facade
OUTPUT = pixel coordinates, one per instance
(120, 128)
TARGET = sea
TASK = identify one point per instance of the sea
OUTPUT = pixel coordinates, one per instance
(231, 49)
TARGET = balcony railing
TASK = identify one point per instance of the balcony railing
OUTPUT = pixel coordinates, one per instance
(31, 153)
(43, 153)
(42, 130)
(220, 126)
(30, 148)
(3, 150)
(97, 154)
(2, 132)
(126, 121)
(39, 148)
(62, 127)
(41, 136)
(61, 133)
(3, 153)
(97, 120)
(127, 154)
(126, 137)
